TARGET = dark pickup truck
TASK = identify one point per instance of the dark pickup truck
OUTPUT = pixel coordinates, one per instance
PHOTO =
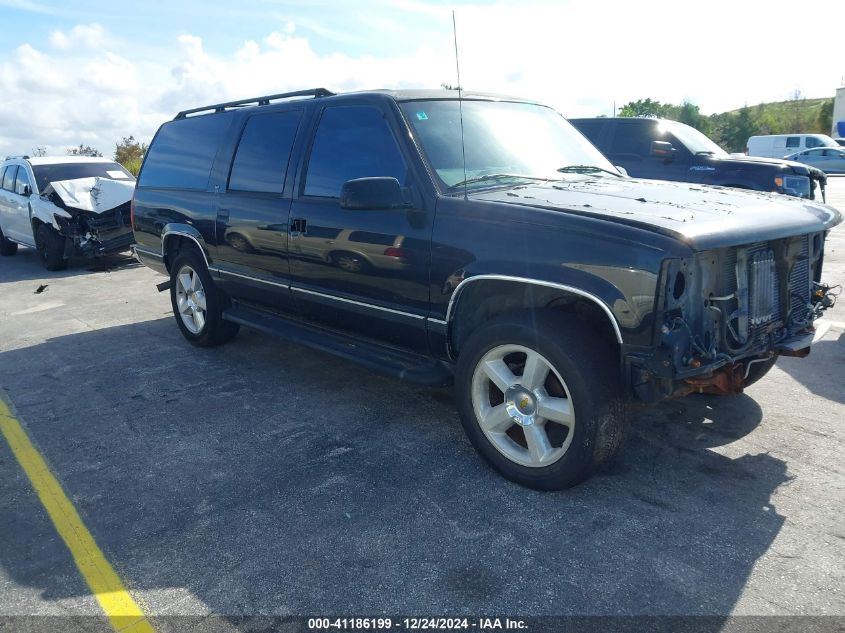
(480, 240)
(669, 150)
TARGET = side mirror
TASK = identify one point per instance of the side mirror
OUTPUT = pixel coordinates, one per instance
(27, 190)
(662, 149)
(372, 193)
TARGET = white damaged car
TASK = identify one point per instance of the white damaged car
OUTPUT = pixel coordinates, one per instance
(65, 206)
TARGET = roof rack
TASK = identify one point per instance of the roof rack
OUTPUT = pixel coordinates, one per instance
(221, 107)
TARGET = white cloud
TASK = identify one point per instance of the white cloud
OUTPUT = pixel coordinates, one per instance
(81, 86)
(80, 36)
(27, 5)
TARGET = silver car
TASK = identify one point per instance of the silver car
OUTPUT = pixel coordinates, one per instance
(830, 160)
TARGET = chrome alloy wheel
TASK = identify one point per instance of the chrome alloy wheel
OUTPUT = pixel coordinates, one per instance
(190, 299)
(523, 405)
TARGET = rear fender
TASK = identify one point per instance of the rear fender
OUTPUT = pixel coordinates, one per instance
(187, 231)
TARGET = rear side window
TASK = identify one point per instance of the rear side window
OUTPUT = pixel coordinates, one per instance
(351, 142)
(9, 177)
(22, 181)
(183, 152)
(793, 141)
(261, 160)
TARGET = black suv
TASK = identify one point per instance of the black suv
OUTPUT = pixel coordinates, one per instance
(481, 240)
(669, 150)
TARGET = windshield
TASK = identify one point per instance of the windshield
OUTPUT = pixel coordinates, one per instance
(504, 143)
(691, 138)
(45, 174)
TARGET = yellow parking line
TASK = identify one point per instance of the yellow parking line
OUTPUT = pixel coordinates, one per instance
(123, 612)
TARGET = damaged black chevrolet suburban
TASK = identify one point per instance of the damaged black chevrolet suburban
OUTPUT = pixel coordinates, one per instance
(482, 241)
(64, 206)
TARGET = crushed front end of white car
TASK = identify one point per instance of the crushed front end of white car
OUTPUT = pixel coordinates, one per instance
(92, 213)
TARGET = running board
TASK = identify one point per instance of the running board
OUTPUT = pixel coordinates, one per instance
(404, 365)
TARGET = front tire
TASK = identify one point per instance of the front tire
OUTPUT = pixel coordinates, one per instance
(7, 247)
(540, 397)
(759, 370)
(51, 247)
(197, 303)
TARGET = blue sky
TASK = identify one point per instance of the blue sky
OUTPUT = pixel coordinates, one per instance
(93, 73)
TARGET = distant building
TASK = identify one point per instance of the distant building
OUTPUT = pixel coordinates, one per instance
(839, 113)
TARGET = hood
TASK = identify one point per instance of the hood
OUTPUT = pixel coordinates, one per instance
(798, 168)
(95, 194)
(701, 216)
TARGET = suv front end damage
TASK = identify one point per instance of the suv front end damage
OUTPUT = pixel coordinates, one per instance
(92, 214)
(723, 310)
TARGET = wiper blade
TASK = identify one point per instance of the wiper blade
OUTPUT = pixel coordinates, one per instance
(485, 177)
(705, 152)
(587, 169)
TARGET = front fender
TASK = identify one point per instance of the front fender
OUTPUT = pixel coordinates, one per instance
(46, 212)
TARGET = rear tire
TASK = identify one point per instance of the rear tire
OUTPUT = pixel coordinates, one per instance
(7, 247)
(350, 262)
(51, 247)
(540, 397)
(197, 303)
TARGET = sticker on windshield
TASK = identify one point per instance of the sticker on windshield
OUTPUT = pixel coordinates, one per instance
(422, 116)
(114, 173)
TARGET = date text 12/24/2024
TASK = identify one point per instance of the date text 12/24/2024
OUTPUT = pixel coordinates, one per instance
(416, 624)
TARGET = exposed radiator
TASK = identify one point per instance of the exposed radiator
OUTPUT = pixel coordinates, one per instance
(799, 285)
(764, 301)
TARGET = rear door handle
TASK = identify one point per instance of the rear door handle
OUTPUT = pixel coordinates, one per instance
(298, 226)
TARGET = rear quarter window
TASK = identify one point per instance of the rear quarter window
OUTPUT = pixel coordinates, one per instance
(183, 152)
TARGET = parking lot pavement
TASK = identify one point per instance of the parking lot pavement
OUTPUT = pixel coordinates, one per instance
(264, 478)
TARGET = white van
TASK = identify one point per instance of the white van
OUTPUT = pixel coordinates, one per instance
(779, 145)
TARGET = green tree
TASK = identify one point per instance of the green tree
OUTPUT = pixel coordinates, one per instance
(689, 113)
(796, 118)
(737, 129)
(130, 153)
(647, 108)
(83, 150)
(825, 119)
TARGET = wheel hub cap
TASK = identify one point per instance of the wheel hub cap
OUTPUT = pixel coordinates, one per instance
(521, 405)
